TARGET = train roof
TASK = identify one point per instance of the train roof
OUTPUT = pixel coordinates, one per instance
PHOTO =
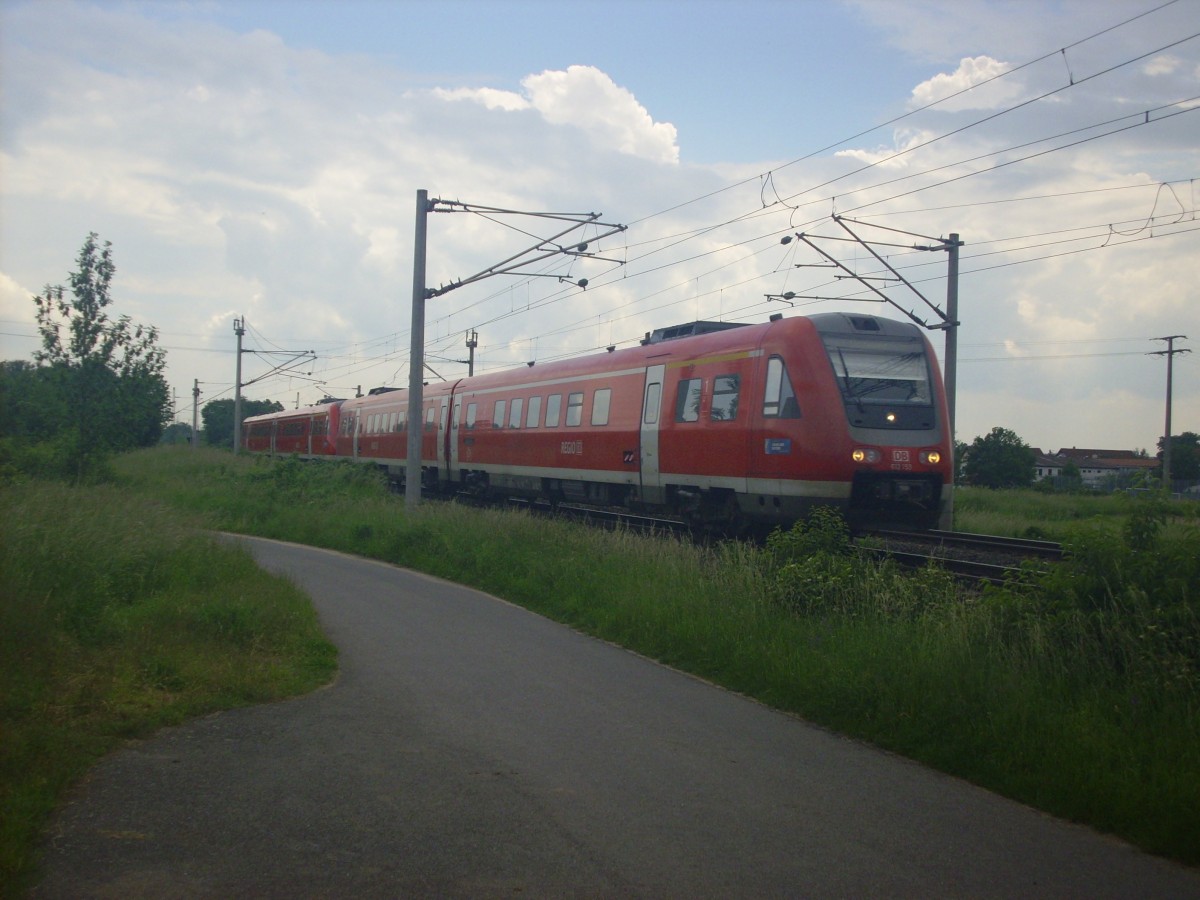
(699, 337)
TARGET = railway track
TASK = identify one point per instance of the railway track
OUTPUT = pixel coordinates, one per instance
(974, 557)
(971, 557)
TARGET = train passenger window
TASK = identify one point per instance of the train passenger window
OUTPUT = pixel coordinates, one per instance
(535, 410)
(498, 415)
(391, 425)
(514, 415)
(553, 407)
(779, 400)
(726, 390)
(429, 418)
(653, 398)
(687, 401)
(601, 401)
(472, 411)
(574, 408)
(401, 419)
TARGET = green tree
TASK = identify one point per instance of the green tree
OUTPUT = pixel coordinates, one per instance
(999, 459)
(960, 457)
(218, 418)
(1185, 456)
(176, 433)
(31, 410)
(106, 374)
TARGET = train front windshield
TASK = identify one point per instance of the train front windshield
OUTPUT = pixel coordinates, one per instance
(884, 372)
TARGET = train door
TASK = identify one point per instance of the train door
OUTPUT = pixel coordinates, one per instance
(648, 444)
(443, 432)
(451, 441)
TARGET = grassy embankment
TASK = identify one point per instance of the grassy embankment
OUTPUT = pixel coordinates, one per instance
(1077, 692)
(117, 617)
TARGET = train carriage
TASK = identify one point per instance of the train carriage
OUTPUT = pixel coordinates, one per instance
(306, 432)
(724, 425)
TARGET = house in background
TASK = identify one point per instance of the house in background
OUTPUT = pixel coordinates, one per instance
(1099, 468)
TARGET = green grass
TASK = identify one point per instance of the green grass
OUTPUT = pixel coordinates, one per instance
(1050, 516)
(1076, 692)
(117, 617)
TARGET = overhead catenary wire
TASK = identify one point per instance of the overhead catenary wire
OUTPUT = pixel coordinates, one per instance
(619, 312)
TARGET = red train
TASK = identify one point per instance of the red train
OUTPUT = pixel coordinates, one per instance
(724, 425)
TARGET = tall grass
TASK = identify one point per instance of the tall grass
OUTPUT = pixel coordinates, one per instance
(117, 617)
(1051, 516)
(1077, 692)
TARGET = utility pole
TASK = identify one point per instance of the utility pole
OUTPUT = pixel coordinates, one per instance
(542, 250)
(1169, 353)
(195, 413)
(239, 328)
(297, 358)
(950, 375)
(416, 359)
(472, 343)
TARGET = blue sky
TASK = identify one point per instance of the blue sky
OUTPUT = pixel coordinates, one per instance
(741, 80)
(261, 159)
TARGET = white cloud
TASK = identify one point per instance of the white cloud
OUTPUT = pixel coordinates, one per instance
(1162, 65)
(488, 97)
(971, 71)
(235, 174)
(588, 99)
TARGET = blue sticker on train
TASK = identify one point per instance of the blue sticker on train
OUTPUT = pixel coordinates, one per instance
(778, 446)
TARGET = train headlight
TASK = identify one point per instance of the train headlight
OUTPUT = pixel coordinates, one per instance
(864, 455)
(931, 457)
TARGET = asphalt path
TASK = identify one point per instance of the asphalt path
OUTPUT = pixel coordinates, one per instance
(469, 748)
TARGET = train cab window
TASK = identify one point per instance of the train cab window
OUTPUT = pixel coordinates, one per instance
(574, 409)
(779, 400)
(472, 412)
(687, 401)
(601, 401)
(553, 409)
(498, 415)
(880, 371)
(535, 410)
(514, 414)
(430, 420)
(726, 390)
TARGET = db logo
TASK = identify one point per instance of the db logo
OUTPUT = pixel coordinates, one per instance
(900, 456)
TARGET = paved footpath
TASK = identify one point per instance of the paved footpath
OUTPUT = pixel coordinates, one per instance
(472, 749)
